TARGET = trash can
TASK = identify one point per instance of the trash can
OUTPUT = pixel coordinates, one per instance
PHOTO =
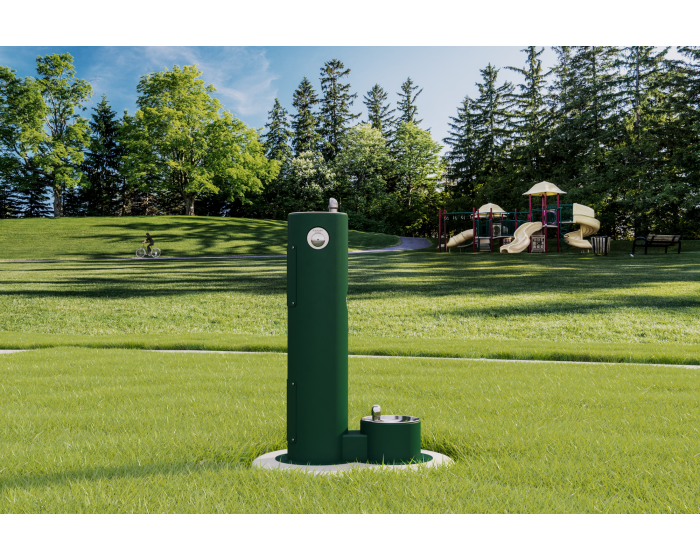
(601, 244)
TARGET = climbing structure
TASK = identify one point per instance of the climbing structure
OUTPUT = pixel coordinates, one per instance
(515, 232)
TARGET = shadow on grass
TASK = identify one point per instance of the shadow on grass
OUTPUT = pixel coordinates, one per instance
(241, 457)
(385, 275)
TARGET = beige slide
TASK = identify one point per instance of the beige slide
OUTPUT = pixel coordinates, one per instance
(460, 238)
(583, 216)
(521, 238)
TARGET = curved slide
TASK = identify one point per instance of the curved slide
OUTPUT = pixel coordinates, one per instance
(521, 237)
(460, 238)
(583, 216)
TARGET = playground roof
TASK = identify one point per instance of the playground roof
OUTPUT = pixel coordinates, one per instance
(544, 189)
(486, 208)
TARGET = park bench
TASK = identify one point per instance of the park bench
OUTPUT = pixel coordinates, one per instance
(654, 240)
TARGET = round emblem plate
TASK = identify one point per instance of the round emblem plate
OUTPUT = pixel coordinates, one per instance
(317, 238)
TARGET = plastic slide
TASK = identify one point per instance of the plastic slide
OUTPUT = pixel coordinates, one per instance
(460, 238)
(583, 216)
(521, 237)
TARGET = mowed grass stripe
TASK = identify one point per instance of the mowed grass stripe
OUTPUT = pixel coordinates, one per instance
(128, 431)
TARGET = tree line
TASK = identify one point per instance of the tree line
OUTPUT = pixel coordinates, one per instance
(617, 128)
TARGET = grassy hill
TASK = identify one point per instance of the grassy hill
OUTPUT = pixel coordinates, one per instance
(176, 236)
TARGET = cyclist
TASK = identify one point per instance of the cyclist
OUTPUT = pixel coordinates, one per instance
(150, 242)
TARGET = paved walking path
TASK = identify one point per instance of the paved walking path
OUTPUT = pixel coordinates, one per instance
(685, 366)
(407, 244)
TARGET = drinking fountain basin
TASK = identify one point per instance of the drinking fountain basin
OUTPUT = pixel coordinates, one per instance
(392, 439)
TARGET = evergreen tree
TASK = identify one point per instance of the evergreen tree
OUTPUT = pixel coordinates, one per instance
(407, 102)
(103, 162)
(276, 139)
(305, 122)
(685, 149)
(335, 115)
(530, 121)
(493, 133)
(35, 200)
(463, 157)
(276, 144)
(10, 204)
(641, 168)
(378, 114)
(560, 149)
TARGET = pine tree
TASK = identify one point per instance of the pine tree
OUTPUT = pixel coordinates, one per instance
(463, 157)
(335, 115)
(276, 139)
(560, 151)
(305, 122)
(276, 144)
(493, 133)
(378, 114)
(530, 121)
(685, 149)
(10, 204)
(35, 200)
(407, 102)
(641, 168)
(103, 161)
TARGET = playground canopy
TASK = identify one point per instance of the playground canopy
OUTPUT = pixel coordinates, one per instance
(497, 210)
(544, 189)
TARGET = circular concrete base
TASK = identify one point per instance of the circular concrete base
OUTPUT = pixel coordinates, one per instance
(269, 461)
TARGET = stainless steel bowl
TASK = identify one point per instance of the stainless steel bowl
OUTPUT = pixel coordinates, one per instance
(391, 419)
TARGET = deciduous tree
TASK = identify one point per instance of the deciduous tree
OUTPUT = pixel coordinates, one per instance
(182, 138)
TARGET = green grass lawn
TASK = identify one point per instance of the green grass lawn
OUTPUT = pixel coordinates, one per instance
(567, 306)
(176, 236)
(107, 431)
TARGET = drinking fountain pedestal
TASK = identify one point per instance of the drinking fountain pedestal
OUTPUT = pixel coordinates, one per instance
(318, 439)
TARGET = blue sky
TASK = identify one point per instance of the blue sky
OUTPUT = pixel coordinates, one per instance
(249, 78)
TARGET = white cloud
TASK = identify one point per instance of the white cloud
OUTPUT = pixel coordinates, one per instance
(241, 75)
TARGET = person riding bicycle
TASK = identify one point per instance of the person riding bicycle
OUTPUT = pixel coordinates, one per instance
(150, 242)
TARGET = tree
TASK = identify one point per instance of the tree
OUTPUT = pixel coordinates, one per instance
(305, 123)
(361, 168)
(276, 140)
(530, 120)
(464, 157)
(419, 170)
(276, 144)
(182, 139)
(103, 162)
(308, 183)
(42, 131)
(493, 134)
(406, 105)
(335, 107)
(378, 114)
(10, 204)
(34, 200)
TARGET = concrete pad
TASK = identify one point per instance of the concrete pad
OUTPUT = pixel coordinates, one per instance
(269, 461)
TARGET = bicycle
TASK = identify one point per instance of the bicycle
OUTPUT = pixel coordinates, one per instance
(141, 252)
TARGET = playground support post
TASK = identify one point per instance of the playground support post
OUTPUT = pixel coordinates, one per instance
(529, 219)
(544, 219)
(440, 230)
(475, 234)
(558, 225)
(491, 230)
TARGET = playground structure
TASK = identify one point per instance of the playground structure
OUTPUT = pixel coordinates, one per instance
(519, 231)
